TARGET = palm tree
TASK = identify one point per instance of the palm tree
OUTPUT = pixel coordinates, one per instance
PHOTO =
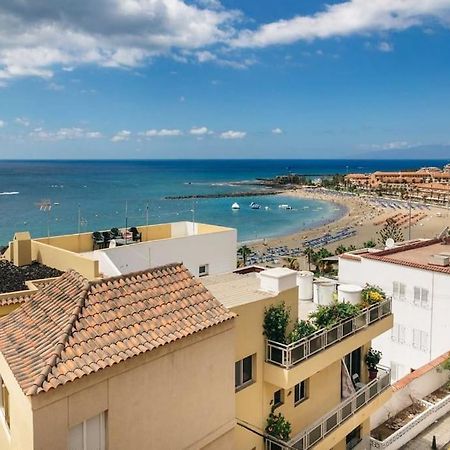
(340, 249)
(292, 263)
(244, 251)
(309, 253)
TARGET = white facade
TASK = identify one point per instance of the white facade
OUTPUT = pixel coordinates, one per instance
(421, 307)
(206, 253)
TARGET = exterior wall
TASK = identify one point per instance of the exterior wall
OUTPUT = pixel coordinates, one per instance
(20, 435)
(62, 259)
(253, 401)
(218, 250)
(432, 320)
(186, 385)
(417, 389)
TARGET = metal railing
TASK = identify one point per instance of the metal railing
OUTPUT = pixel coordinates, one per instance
(326, 424)
(288, 355)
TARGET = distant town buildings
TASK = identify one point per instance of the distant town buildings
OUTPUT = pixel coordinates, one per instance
(427, 184)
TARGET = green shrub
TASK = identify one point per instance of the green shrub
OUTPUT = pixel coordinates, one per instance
(373, 357)
(329, 315)
(301, 329)
(372, 294)
(276, 320)
(278, 427)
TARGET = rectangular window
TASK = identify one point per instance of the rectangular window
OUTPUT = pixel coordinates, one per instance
(278, 398)
(353, 438)
(300, 393)
(421, 297)
(398, 333)
(420, 340)
(203, 270)
(89, 435)
(4, 402)
(398, 290)
(243, 372)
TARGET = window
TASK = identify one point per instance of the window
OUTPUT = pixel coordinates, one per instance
(243, 372)
(420, 340)
(89, 435)
(421, 297)
(203, 270)
(397, 371)
(398, 290)
(353, 362)
(300, 393)
(398, 333)
(278, 398)
(353, 438)
(4, 402)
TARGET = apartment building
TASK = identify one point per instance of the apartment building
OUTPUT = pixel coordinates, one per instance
(139, 361)
(203, 248)
(301, 380)
(417, 276)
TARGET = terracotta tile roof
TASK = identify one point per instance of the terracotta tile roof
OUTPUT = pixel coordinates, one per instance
(403, 382)
(410, 256)
(73, 327)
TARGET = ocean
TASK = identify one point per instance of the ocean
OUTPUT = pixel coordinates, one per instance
(97, 195)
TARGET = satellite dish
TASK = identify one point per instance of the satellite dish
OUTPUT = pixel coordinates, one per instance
(389, 243)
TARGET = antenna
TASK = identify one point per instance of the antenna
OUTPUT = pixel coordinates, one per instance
(46, 206)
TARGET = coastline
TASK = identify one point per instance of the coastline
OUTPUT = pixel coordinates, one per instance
(362, 213)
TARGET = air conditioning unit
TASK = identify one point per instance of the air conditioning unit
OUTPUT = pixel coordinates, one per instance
(439, 260)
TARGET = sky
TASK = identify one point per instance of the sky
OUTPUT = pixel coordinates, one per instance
(223, 79)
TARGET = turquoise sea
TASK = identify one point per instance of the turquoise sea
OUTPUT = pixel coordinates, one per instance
(105, 194)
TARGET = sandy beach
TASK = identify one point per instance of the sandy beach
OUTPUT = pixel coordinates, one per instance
(362, 213)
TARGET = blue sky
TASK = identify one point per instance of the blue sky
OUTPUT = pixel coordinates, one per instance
(230, 79)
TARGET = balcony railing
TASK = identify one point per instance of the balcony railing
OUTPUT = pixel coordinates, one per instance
(326, 424)
(288, 355)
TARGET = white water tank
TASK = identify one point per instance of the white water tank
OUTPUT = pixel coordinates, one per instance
(305, 285)
(350, 293)
(324, 291)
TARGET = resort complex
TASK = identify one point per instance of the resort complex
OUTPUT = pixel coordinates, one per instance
(429, 184)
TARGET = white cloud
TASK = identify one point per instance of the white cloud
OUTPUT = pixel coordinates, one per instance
(395, 145)
(63, 134)
(385, 47)
(38, 35)
(232, 134)
(121, 136)
(348, 18)
(200, 131)
(164, 132)
(22, 121)
(2, 123)
(277, 131)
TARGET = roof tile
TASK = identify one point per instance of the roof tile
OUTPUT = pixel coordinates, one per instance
(73, 327)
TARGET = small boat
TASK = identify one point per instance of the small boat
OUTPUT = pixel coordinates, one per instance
(284, 206)
(235, 206)
(254, 205)
(266, 208)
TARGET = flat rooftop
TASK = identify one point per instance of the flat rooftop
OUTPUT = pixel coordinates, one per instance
(232, 289)
(416, 255)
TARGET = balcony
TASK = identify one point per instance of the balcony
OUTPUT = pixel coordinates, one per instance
(289, 355)
(332, 425)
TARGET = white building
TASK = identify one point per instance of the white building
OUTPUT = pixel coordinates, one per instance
(419, 283)
(204, 249)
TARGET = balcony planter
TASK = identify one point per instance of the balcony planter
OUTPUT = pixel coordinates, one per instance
(373, 358)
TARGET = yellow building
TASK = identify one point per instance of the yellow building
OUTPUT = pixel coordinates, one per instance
(302, 380)
(141, 361)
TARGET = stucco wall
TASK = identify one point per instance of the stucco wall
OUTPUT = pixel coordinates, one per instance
(178, 396)
(432, 320)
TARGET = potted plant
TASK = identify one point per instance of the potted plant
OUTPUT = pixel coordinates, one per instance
(373, 358)
(278, 427)
(371, 295)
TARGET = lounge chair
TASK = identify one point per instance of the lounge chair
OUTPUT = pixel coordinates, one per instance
(106, 238)
(98, 239)
(137, 236)
(115, 233)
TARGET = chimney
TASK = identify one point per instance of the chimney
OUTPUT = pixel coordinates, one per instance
(277, 280)
(22, 249)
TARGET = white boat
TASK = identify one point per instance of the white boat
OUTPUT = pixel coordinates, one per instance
(254, 205)
(284, 206)
(235, 206)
